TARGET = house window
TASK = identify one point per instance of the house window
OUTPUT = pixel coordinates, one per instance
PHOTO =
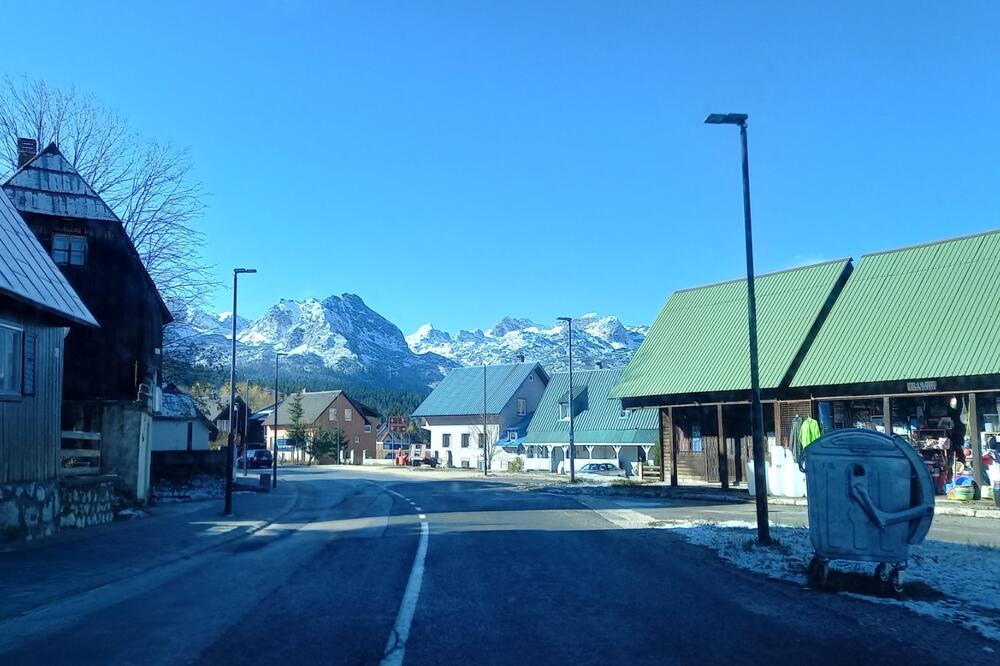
(446, 440)
(10, 360)
(69, 250)
(465, 464)
(368, 427)
(465, 440)
(511, 435)
(522, 406)
(357, 440)
(564, 411)
(333, 413)
(347, 415)
(482, 440)
(531, 377)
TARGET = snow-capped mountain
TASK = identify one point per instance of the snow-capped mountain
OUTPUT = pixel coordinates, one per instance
(595, 338)
(337, 338)
(341, 338)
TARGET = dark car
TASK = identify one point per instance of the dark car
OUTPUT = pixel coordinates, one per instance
(259, 459)
(430, 462)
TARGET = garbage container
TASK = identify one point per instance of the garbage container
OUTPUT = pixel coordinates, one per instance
(870, 498)
(265, 480)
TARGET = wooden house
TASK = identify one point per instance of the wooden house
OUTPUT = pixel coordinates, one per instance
(37, 306)
(334, 411)
(112, 378)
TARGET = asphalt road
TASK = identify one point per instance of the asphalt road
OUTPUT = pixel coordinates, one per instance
(350, 566)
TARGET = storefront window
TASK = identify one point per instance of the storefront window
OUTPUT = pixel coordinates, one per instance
(842, 414)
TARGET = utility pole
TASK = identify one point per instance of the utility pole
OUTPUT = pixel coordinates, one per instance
(486, 469)
(274, 460)
(572, 447)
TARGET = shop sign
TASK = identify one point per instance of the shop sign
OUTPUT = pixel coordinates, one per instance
(921, 387)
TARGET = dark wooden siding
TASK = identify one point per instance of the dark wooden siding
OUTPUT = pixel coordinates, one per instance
(111, 361)
(30, 427)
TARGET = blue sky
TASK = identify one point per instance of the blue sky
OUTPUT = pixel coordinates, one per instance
(453, 162)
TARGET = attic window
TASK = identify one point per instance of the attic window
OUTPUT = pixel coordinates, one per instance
(511, 435)
(531, 377)
(10, 361)
(69, 250)
(564, 411)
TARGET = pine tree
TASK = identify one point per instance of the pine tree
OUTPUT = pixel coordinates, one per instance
(296, 434)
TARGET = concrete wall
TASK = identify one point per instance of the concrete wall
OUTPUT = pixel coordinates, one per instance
(29, 510)
(182, 465)
(86, 501)
(126, 430)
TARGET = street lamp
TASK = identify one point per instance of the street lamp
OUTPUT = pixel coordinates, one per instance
(231, 449)
(274, 461)
(756, 410)
(572, 447)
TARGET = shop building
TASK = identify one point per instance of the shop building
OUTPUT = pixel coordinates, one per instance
(910, 347)
(693, 367)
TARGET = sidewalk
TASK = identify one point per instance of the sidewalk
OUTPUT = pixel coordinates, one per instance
(36, 573)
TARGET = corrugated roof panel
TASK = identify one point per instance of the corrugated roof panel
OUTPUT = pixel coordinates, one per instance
(600, 423)
(700, 341)
(460, 393)
(28, 274)
(915, 313)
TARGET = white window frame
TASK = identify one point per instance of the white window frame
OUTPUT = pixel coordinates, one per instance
(368, 427)
(333, 414)
(446, 440)
(16, 334)
(564, 411)
(522, 407)
(511, 435)
(465, 440)
(348, 415)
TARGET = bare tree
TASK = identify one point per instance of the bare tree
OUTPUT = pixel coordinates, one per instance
(489, 441)
(147, 183)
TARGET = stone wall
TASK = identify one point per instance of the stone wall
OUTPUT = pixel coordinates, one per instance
(29, 510)
(86, 501)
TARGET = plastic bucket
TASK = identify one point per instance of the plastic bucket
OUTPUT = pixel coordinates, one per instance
(964, 493)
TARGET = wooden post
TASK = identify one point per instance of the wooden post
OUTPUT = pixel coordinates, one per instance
(887, 416)
(972, 430)
(723, 453)
(673, 446)
(777, 429)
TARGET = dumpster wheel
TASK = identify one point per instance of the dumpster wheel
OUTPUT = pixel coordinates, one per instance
(896, 581)
(818, 572)
(882, 573)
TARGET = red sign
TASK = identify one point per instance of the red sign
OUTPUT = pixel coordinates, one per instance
(397, 424)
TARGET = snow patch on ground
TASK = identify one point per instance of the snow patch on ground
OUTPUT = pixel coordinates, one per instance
(194, 490)
(965, 575)
(132, 512)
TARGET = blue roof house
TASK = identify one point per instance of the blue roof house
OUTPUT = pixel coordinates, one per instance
(453, 412)
(604, 431)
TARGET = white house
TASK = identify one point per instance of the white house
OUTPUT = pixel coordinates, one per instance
(179, 425)
(453, 412)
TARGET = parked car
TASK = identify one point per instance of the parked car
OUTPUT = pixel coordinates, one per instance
(601, 469)
(259, 459)
(430, 462)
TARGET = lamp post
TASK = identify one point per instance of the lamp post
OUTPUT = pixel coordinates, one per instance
(274, 458)
(486, 460)
(756, 409)
(572, 447)
(231, 449)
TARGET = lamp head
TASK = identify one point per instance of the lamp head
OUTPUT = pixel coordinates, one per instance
(726, 119)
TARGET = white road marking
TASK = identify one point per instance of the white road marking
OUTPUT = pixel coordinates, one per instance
(395, 648)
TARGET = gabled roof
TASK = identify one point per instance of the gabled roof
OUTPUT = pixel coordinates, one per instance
(313, 406)
(28, 274)
(48, 184)
(460, 393)
(920, 312)
(599, 422)
(700, 342)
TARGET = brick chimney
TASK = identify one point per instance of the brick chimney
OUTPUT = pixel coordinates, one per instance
(26, 150)
(600, 365)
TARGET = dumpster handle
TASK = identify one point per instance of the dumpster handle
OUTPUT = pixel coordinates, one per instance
(859, 493)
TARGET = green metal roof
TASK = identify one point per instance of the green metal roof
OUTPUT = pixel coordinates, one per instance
(915, 313)
(700, 342)
(600, 423)
(460, 393)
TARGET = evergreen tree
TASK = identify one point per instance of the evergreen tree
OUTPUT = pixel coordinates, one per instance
(296, 433)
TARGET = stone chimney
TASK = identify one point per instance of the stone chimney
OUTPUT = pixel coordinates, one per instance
(26, 150)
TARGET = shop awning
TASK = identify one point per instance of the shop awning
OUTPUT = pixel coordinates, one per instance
(700, 342)
(918, 313)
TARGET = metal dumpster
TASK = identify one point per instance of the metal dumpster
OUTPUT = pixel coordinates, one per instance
(870, 498)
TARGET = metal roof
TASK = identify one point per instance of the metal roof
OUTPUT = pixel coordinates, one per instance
(600, 422)
(313, 406)
(28, 274)
(914, 313)
(460, 393)
(700, 342)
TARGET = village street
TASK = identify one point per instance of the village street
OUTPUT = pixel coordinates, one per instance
(337, 566)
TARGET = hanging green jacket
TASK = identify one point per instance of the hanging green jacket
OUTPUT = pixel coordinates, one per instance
(808, 432)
